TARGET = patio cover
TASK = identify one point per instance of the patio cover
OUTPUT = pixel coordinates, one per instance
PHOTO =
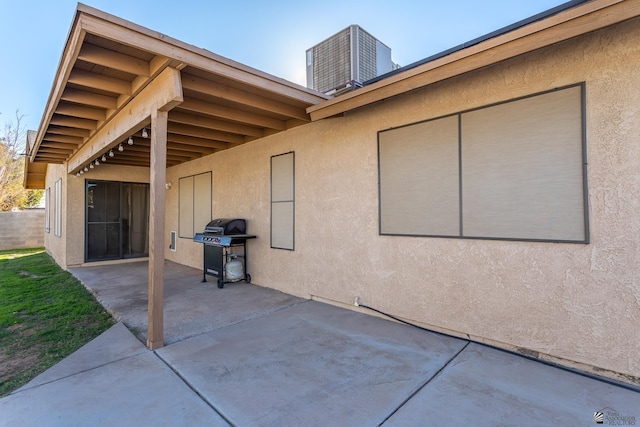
(116, 79)
(110, 76)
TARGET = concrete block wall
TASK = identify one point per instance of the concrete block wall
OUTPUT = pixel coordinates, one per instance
(23, 229)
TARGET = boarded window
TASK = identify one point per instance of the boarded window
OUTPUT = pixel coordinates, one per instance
(283, 201)
(194, 204)
(514, 170)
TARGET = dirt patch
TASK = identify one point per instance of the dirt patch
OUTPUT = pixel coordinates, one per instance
(15, 363)
(23, 361)
(29, 275)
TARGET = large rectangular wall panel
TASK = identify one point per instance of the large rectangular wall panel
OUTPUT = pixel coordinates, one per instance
(201, 201)
(186, 207)
(419, 179)
(283, 201)
(522, 169)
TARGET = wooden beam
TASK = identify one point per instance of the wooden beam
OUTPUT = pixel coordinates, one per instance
(174, 146)
(157, 179)
(98, 81)
(162, 93)
(88, 98)
(54, 156)
(197, 142)
(74, 122)
(65, 151)
(198, 132)
(111, 59)
(229, 93)
(64, 139)
(215, 124)
(63, 130)
(48, 159)
(79, 111)
(143, 38)
(210, 109)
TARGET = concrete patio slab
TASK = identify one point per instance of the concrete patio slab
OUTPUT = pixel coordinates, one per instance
(190, 307)
(488, 387)
(139, 390)
(115, 344)
(254, 356)
(312, 364)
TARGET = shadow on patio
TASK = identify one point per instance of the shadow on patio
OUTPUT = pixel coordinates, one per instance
(190, 307)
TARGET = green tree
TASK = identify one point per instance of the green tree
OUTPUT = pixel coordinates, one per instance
(12, 147)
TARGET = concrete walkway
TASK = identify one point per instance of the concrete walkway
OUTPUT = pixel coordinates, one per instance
(250, 356)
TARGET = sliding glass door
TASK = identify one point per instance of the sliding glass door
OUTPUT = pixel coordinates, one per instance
(117, 220)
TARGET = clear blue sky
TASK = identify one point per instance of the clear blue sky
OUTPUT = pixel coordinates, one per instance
(268, 35)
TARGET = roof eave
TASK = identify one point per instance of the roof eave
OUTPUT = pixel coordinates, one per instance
(88, 20)
(573, 22)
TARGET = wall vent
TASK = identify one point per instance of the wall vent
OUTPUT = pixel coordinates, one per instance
(172, 243)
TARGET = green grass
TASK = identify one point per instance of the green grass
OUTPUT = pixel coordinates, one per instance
(45, 315)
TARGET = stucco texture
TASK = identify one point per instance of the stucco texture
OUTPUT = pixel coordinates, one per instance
(577, 304)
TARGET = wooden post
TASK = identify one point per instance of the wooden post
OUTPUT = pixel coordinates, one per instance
(158, 173)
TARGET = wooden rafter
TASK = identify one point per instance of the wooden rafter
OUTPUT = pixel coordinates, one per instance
(91, 99)
(241, 97)
(101, 82)
(215, 110)
(81, 112)
(204, 133)
(107, 88)
(198, 142)
(69, 121)
(118, 61)
(210, 122)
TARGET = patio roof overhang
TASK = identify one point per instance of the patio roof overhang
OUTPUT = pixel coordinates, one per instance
(113, 73)
(567, 21)
(116, 79)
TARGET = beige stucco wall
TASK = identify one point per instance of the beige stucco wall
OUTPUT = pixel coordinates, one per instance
(573, 303)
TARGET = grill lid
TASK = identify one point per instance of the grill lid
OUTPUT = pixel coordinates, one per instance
(226, 226)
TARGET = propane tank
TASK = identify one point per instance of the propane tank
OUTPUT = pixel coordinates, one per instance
(233, 268)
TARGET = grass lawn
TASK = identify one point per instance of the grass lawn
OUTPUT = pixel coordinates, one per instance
(45, 315)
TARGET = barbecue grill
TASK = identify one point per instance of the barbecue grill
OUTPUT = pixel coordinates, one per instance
(225, 250)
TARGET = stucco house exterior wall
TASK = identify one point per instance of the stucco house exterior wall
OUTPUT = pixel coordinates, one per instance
(577, 304)
(573, 303)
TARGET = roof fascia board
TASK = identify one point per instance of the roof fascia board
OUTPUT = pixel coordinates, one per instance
(582, 19)
(68, 58)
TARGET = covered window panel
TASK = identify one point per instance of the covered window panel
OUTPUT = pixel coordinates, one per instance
(186, 207)
(201, 201)
(419, 180)
(514, 170)
(194, 204)
(283, 201)
(522, 169)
